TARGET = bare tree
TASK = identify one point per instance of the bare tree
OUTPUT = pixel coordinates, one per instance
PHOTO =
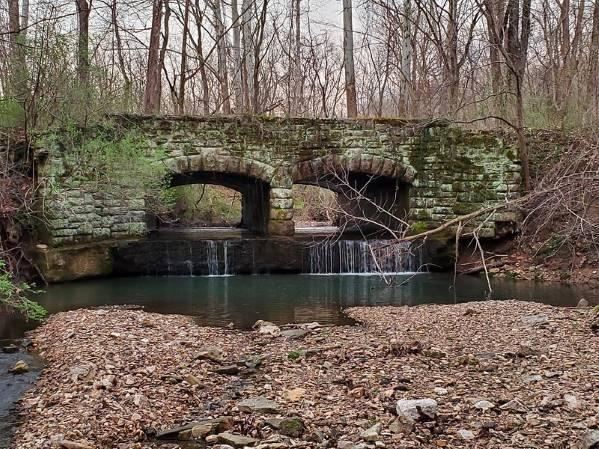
(153, 73)
(348, 51)
(83, 11)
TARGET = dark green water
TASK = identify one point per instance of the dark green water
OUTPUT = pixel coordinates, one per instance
(241, 300)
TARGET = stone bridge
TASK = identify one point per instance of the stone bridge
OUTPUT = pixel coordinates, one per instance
(425, 173)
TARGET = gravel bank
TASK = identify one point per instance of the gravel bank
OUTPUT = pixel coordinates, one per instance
(501, 374)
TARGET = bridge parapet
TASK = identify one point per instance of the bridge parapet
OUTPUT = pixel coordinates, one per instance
(440, 171)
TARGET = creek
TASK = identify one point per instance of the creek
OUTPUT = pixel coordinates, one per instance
(337, 276)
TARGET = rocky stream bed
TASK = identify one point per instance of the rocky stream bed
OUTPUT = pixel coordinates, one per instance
(479, 375)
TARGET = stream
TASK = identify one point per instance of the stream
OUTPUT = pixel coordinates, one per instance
(242, 300)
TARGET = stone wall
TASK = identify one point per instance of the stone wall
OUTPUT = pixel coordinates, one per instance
(449, 172)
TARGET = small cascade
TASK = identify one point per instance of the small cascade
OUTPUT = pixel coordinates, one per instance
(362, 257)
(215, 249)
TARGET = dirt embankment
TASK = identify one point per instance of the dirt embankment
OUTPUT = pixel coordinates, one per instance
(493, 375)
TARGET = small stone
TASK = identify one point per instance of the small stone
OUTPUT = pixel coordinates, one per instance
(402, 425)
(66, 444)
(20, 367)
(417, 409)
(484, 405)
(294, 333)
(440, 391)
(209, 353)
(515, 406)
(590, 440)
(342, 444)
(202, 430)
(294, 394)
(441, 443)
(535, 320)
(533, 378)
(582, 303)
(292, 427)
(235, 440)
(227, 370)
(211, 439)
(465, 434)
(268, 328)
(372, 433)
(258, 404)
(193, 380)
(571, 401)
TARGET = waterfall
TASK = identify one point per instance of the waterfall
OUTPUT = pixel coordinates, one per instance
(361, 257)
(213, 248)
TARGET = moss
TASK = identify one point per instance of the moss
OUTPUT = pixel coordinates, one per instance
(294, 355)
(418, 228)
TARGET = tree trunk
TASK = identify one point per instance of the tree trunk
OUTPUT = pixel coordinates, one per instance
(183, 75)
(348, 51)
(237, 88)
(221, 45)
(406, 59)
(83, 11)
(153, 75)
(17, 85)
(128, 85)
(593, 77)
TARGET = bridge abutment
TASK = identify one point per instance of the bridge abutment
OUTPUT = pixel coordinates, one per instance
(423, 173)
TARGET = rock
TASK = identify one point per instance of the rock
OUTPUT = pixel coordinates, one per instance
(235, 440)
(590, 440)
(294, 333)
(211, 439)
(10, 349)
(294, 394)
(252, 361)
(484, 405)
(440, 391)
(417, 409)
(571, 401)
(533, 378)
(266, 327)
(312, 326)
(20, 367)
(66, 444)
(583, 303)
(465, 434)
(292, 427)
(222, 446)
(342, 444)
(402, 425)
(210, 353)
(434, 353)
(515, 406)
(202, 430)
(217, 425)
(535, 320)
(193, 380)
(258, 404)
(227, 370)
(372, 433)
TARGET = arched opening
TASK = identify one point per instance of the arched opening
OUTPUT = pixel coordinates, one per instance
(314, 207)
(360, 203)
(221, 199)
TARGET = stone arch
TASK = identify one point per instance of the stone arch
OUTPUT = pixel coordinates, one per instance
(267, 203)
(384, 184)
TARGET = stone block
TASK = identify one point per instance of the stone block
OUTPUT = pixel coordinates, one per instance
(281, 214)
(280, 203)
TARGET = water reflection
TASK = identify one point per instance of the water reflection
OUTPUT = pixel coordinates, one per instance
(217, 301)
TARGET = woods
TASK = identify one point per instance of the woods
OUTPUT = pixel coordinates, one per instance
(529, 63)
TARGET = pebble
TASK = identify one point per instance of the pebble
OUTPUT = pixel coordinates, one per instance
(484, 405)
(465, 434)
(415, 408)
(372, 433)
